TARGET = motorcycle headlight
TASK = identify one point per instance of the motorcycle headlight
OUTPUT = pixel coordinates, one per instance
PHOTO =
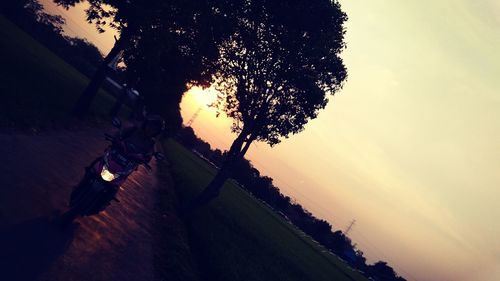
(107, 175)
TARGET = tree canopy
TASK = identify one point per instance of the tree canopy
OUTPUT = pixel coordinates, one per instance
(167, 44)
(274, 72)
(162, 61)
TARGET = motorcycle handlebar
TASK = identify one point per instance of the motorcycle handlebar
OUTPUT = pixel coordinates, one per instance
(137, 157)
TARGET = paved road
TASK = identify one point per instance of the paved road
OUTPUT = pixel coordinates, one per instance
(36, 177)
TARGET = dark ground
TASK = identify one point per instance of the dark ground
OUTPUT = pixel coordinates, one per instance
(122, 243)
(140, 238)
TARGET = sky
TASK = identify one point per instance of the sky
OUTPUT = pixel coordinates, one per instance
(409, 148)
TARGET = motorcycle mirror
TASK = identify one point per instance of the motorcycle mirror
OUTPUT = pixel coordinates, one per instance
(116, 122)
(159, 156)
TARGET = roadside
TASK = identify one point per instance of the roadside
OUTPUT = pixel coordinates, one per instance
(174, 259)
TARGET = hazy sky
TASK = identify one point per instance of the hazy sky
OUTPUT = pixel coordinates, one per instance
(410, 148)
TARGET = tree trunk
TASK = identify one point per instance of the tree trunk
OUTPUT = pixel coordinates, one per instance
(235, 154)
(246, 147)
(83, 103)
(213, 188)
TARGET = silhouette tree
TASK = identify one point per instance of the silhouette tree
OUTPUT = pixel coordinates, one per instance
(161, 64)
(82, 54)
(383, 272)
(274, 73)
(127, 17)
(30, 16)
(31, 12)
(136, 19)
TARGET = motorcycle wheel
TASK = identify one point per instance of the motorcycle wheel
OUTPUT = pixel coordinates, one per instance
(81, 198)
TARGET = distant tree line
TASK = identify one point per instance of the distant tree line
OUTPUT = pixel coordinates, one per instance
(263, 188)
(47, 29)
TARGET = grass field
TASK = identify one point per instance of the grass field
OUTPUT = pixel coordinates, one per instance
(37, 88)
(238, 238)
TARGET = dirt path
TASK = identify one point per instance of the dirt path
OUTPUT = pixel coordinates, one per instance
(36, 177)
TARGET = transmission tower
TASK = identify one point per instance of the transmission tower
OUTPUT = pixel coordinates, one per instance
(190, 122)
(349, 227)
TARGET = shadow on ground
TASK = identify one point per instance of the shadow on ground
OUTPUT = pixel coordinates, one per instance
(30, 247)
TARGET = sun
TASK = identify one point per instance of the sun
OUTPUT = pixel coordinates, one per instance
(203, 97)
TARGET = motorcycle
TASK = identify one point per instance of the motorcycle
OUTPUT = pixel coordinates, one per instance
(103, 178)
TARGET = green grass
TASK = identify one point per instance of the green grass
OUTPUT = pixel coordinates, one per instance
(238, 238)
(37, 88)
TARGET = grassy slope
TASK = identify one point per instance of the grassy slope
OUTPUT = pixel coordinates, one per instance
(239, 238)
(37, 88)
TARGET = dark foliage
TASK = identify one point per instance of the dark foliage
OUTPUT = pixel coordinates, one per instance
(162, 61)
(46, 28)
(171, 54)
(167, 44)
(274, 73)
(276, 69)
(381, 271)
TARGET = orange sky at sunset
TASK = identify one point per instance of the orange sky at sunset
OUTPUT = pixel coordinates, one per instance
(409, 148)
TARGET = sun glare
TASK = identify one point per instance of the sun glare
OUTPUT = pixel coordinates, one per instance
(203, 97)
